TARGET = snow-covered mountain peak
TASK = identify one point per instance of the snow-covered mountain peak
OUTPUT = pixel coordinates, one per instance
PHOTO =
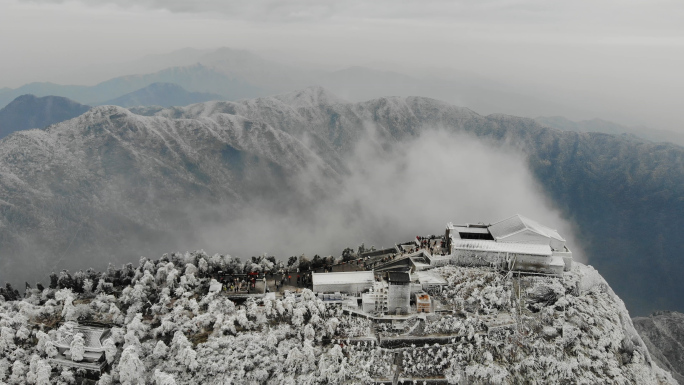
(313, 96)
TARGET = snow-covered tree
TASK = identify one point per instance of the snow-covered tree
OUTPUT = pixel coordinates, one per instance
(160, 350)
(110, 350)
(131, 369)
(161, 378)
(77, 347)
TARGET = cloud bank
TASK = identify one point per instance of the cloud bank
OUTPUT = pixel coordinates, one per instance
(391, 195)
(638, 13)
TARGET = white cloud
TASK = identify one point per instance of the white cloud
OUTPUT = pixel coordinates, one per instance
(580, 13)
(390, 196)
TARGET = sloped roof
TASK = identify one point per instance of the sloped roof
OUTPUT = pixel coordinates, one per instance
(92, 336)
(503, 247)
(341, 278)
(518, 223)
(398, 277)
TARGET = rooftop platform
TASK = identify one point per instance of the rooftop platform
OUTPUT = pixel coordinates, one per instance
(341, 278)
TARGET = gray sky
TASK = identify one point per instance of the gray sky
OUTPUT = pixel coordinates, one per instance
(611, 58)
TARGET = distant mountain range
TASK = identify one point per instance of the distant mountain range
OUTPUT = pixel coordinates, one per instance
(239, 74)
(162, 94)
(28, 111)
(606, 127)
(116, 184)
(231, 74)
(196, 78)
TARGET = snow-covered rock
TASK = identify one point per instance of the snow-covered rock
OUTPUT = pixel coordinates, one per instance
(570, 329)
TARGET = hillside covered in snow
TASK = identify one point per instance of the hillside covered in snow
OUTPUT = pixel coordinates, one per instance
(169, 321)
(114, 184)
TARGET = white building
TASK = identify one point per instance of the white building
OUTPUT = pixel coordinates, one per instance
(352, 282)
(423, 303)
(429, 281)
(376, 300)
(516, 243)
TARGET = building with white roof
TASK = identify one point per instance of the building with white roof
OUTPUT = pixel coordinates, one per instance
(375, 301)
(429, 281)
(522, 230)
(93, 357)
(351, 282)
(516, 243)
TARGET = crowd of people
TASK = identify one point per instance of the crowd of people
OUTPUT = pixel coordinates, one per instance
(240, 284)
(429, 244)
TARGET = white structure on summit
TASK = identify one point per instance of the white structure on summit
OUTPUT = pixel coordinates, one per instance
(352, 282)
(404, 275)
(517, 243)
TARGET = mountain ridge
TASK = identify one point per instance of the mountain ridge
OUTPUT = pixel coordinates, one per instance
(239, 74)
(582, 173)
(162, 94)
(28, 111)
(194, 78)
(607, 127)
(202, 161)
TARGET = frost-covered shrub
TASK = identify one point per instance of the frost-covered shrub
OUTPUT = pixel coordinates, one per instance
(131, 369)
(161, 378)
(77, 347)
(476, 290)
(110, 350)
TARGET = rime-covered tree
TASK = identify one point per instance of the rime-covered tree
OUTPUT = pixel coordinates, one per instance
(77, 347)
(131, 369)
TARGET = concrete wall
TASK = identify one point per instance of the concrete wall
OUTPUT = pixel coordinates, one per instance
(399, 296)
(374, 302)
(510, 261)
(439, 260)
(536, 264)
(567, 258)
(349, 288)
(389, 250)
(416, 288)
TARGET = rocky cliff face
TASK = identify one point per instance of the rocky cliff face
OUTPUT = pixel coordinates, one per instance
(663, 334)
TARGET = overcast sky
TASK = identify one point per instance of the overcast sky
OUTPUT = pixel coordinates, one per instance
(625, 54)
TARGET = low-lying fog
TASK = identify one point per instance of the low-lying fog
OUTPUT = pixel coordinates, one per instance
(390, 196)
